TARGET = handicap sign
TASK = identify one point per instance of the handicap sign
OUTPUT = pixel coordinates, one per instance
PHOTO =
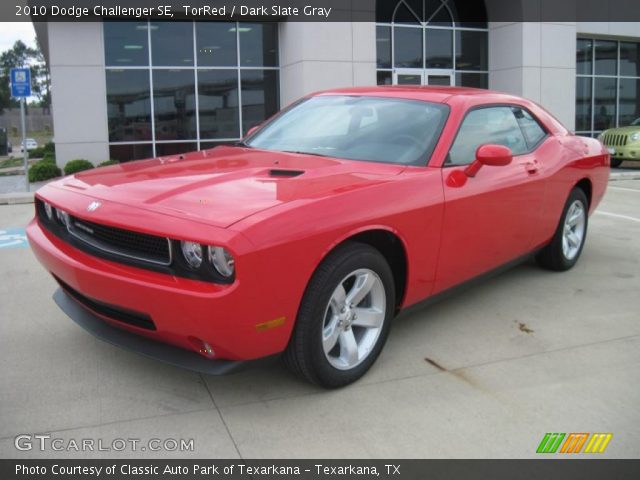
(13, 238)
(20, 82)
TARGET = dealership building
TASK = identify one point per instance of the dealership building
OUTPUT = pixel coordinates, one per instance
(136, 89)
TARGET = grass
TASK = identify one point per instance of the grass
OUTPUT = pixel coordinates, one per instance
(11, 162)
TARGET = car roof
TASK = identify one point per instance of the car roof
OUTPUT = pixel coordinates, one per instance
(416, 92)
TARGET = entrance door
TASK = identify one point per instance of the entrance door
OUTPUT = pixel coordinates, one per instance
(417, 76)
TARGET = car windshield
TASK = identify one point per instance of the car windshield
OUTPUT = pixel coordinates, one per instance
(374, 129)
(636, 122)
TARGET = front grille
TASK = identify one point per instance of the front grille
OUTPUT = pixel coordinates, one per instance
(614, 140)
(140, 320)
(134, 245)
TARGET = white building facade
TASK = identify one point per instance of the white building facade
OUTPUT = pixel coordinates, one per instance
(130, 90)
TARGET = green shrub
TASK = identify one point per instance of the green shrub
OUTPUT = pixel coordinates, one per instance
(78, 165)
(49, 158)
(49, 147)
(43, 171)
(108, 162)
(37, 152)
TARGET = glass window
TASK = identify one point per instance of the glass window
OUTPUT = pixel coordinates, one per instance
(259, 96)
(358, 128)
(218, 103)
(474, 80)
(629, 100)
(384, 77)
(174, 104)
(128, 105)
(495, 125)
(409, 12)
(471, 50)
(531, 129)
(584, 56)
(126, 44)
(217, 44)
(630, 59)
(383, 47)
(606, 57)
(163, 149)
(130, 151)
(258, 44)
(438, 46)
(407, 47)
(583, 104)
(172, 44)
(604, 115)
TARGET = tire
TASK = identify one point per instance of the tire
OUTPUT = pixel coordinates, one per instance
(616, 162)
(321, 320)
(565, 247)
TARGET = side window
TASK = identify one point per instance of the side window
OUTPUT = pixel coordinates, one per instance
(496, 125)
(531, 129)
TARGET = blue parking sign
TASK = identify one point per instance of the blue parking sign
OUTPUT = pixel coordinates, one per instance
(20, 82)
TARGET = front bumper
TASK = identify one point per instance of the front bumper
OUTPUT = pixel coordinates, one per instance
(129, 341)
(226, 317)
(628, 152)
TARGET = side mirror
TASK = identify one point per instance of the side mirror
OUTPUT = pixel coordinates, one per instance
(489, 154)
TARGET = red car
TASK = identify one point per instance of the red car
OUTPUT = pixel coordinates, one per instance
(311, 234)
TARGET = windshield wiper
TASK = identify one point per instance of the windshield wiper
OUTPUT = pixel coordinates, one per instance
(300, 152)
(241, 143)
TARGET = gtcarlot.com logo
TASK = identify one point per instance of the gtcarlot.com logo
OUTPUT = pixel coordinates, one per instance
(45, 442)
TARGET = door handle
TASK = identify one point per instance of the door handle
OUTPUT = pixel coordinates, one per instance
(532, 167)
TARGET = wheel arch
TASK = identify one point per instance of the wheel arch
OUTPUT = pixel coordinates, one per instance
(392, 247)
(586, 186)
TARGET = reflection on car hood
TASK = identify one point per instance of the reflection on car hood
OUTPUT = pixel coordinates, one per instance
(226, 184)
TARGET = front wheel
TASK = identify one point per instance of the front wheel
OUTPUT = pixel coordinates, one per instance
(344, 318)
(567, 242)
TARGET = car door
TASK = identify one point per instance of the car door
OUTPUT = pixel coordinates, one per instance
(488, 219)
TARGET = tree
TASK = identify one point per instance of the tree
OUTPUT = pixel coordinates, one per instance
(21, 55)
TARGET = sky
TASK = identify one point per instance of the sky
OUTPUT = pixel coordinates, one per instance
(12, 31)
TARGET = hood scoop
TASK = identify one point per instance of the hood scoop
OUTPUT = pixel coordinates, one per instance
(284, 172)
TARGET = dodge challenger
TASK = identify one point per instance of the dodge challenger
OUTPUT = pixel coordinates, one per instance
(310, 235)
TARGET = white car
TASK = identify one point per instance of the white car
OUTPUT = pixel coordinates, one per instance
(31, 144)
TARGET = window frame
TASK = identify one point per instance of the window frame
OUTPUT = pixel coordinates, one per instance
(530, 150)
(150, 68)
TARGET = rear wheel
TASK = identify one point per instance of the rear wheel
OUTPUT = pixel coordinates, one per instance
(344, 318)
(567, 243)
(616, 162)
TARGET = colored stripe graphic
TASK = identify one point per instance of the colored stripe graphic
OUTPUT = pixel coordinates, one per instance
(574, 442)
(598, 443)
(550, 443)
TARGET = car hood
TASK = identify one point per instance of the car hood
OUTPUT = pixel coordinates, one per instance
(222, 186)
(623, 130)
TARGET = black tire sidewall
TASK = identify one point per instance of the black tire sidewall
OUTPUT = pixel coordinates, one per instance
(563, 262)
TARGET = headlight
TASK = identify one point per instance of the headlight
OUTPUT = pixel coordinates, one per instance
(635, 136)
(192, 252)
(48, 210)
(222, 261)
(63, 217)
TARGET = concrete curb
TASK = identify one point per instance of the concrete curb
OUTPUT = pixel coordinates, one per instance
(624, 176)
(16, 198)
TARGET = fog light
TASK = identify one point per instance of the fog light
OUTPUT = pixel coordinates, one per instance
(202, 347)
(48, 210)
(192, 253)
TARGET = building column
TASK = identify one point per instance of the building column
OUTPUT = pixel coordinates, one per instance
(322, 55)
(78, 91)
(536, 60)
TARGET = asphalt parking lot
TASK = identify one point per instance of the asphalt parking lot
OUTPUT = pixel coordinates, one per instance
(522, 354)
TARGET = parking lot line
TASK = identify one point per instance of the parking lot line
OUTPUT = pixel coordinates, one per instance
(623, 188)
(616, 215)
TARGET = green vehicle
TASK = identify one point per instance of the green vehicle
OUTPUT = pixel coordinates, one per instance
(623, 142)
